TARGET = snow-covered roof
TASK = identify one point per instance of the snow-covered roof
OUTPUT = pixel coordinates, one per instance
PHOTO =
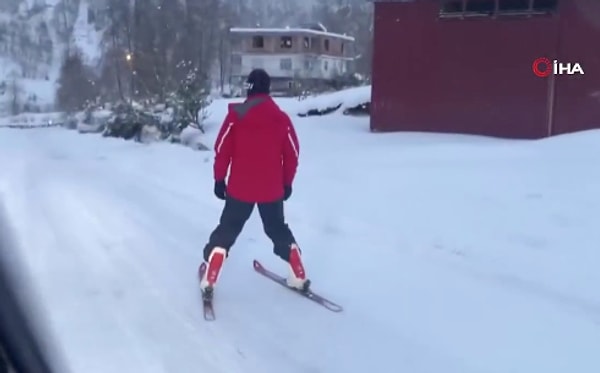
(286, 30)
(314, 26)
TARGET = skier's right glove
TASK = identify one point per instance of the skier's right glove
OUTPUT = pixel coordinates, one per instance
(287, 192)
(220, 188)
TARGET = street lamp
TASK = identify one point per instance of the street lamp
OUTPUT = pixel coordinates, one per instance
(129, 58)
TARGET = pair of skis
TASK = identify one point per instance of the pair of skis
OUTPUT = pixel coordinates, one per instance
(207, 297)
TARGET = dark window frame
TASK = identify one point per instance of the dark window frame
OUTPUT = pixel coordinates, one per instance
(258, 42)
(496, 8)
(286, 42)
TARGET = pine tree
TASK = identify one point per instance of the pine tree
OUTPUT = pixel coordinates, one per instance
(189, 99)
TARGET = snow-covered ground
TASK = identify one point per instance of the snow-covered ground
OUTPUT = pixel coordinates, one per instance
(449, 253)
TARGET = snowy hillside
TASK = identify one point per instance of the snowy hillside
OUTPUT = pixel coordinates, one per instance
(451, 254)
(87, 36)
(37, 34)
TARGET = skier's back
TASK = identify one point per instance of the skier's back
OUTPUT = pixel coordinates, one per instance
(258, 144)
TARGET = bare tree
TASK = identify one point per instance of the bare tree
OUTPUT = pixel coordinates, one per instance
(15, 92)
(115, 42)
(228, 18)
(77, 84)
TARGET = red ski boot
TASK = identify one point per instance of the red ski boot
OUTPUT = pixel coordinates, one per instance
(297, 278)
(211, 275)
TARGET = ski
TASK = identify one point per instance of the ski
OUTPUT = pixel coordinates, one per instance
(309, 294)
(207, 298)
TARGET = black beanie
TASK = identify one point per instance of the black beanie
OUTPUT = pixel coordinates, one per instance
(258, 82)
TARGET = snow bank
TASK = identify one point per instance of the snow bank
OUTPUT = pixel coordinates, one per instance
(30, 120)
(336, 101)
(340, 101)
(193, 138)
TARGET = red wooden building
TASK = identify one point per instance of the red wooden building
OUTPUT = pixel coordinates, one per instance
(466, 66)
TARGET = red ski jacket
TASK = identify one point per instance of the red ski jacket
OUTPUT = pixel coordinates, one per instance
(258, 144)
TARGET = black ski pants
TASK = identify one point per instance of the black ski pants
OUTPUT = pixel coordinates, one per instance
(234, 216)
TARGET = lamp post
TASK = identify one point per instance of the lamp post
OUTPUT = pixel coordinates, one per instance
(129, 59)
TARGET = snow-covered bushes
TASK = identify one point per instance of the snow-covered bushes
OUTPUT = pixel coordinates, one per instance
(127, 122)
(152, 119)
(145, 122)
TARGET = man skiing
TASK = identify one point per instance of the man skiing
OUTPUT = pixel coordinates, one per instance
(258, 142)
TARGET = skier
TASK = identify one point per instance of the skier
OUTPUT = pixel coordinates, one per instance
(257, 139)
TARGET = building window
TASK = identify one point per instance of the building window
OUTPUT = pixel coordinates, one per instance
(285, 64)
(342, 48)
(526, 6)
(461, 8)
(452, 7)
(325, 65)
(509, 6)
(326, 44)
(545, 5)
(486, 7)
(478, 8)
(286, 42)
(258, 42)
(306, 42)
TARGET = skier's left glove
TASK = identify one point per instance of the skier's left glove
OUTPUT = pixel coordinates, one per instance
(287, 192)
(220, 188)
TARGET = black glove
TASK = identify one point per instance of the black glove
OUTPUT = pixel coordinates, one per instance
(220, 187)
(287, 192)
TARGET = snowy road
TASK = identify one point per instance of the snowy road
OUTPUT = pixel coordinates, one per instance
(437, 270)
